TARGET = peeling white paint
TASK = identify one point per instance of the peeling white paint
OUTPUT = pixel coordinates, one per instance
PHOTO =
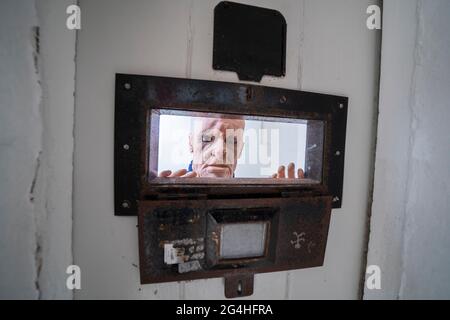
(36, 142)
(189, 266)
(20, 143)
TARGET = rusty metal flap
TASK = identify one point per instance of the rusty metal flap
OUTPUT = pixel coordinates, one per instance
(178, 240)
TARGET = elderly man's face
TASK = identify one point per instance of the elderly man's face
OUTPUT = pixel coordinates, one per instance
(216, 145)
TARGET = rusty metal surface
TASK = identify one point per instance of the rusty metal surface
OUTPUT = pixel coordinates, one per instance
(240, 285)
(135, 152)
(299, 230)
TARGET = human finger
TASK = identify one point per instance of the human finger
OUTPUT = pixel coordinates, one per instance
(178, 173)
(291, 170)
(281, 173)
(165, 173)
(191, 174)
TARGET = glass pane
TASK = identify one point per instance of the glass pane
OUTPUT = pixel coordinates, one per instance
(226, 147)
(243, 240)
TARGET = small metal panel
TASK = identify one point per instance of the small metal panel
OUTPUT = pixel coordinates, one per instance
(174, 238)
(136, 96)
(240, 285)
(249, 40)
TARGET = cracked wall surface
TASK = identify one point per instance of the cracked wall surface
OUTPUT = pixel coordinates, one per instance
(36, 148)
(410, 227)
(20, 144)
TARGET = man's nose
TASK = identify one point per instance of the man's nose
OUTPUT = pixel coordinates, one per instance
(220, 149)
(224, 151)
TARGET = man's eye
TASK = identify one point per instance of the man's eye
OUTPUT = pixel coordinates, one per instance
(207, 138)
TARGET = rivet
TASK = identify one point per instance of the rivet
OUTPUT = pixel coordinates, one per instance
(338, 153)
(126, 204)
(127, 86)
(283, 99)
(341, 105)
(126, 147)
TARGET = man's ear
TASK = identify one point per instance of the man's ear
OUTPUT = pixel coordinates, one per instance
(191, 147)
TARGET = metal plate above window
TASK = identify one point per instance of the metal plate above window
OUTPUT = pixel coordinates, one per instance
(249, 40)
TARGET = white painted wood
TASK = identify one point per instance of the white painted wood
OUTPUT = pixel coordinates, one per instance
(20, 150)
(394, 131)
(37, 84)
(340, 55)
(329, 49)
(142, 37)
(410, 223)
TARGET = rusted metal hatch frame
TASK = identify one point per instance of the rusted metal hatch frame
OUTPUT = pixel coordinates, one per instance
(136, 96)
(183, 215)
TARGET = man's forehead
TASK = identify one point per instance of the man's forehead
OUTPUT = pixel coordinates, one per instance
(219, 123)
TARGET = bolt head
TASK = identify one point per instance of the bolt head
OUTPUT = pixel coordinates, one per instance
(127, 86)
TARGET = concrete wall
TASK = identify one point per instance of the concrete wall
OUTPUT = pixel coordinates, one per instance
(36, 141)
(410, 228)
(329, 49)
